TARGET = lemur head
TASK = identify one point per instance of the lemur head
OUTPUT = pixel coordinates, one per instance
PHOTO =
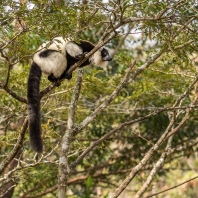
(101, 57)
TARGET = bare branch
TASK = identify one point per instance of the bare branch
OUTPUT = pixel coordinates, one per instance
(16, 148)
(101, 107)
(75, 97)
(105, 137)
(7, 191)
(183, 120)
(149, 154)
(154, 170)
(5, 85)
(12, 40)
(64, 169)
(121, 42)
(13, 94)
(172, 187)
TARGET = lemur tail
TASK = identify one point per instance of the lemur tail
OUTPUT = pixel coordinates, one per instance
(33, 97)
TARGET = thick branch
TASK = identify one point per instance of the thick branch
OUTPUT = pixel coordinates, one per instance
(64, 169)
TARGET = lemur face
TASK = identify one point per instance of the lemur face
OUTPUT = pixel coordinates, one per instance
(105, 55)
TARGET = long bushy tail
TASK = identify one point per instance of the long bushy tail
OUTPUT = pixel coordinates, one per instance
(33, 97)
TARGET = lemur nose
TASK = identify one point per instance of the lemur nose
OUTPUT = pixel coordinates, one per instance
(107, 58)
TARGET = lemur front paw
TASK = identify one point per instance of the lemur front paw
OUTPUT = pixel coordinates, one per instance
(55, 80)
(81, 56)
(68, 76)
(52, 78)
(58, 83)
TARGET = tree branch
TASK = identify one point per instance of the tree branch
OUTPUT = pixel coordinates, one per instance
(102, 106)
(105, 137)
(154, 148)
(64, 169)
(154, 170)
(16, 148)
(172, 187)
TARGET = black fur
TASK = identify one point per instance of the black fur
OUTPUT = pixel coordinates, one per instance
(105, 55)
(46, 53)
(33, 96)
(34, 88)
(87, 47)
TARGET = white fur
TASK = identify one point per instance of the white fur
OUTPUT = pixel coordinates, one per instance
(58, 43)
(96, 59)
(56, 63)
(73, 49)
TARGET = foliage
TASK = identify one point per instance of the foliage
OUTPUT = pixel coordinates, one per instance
(120, 134)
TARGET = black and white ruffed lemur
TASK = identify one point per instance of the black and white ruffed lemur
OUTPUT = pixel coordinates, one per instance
(54, 59)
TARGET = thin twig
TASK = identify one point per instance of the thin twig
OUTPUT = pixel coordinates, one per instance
(101, 107)
(172, 187)
(154, 170)
(16, 148)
